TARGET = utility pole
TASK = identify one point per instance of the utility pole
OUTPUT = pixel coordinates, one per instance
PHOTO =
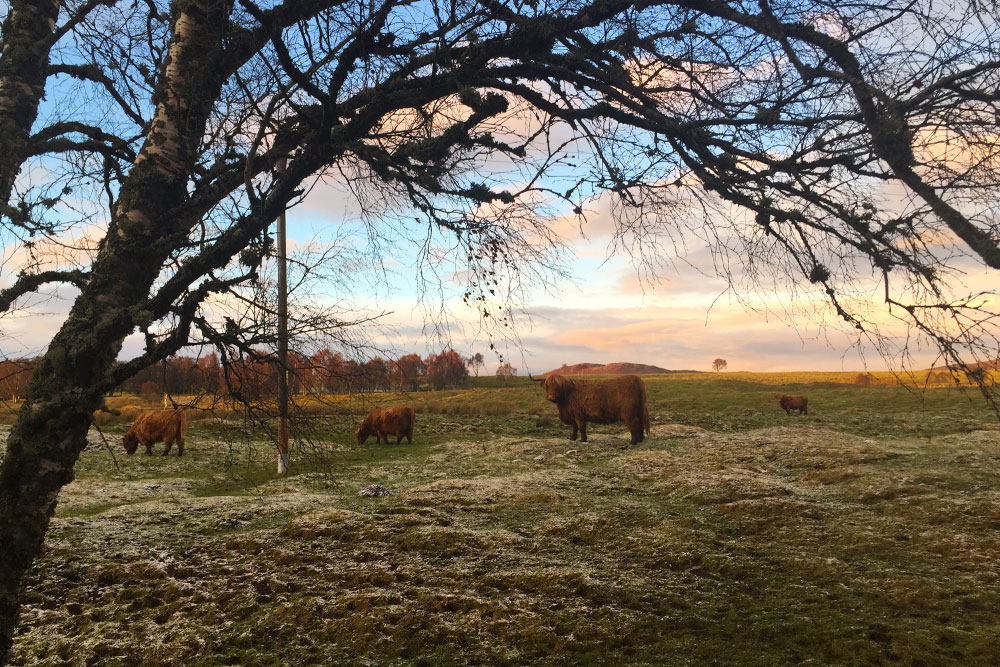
(282, 343)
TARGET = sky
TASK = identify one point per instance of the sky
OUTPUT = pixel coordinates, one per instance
(607, 309)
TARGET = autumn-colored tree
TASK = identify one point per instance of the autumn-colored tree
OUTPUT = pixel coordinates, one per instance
(407, 372)
(209, 371)
(446, 369)
(299, 373)
(718, 364)
(327, 372)
(352, 377)
(150, 390)
(375, 375)
(14, 377)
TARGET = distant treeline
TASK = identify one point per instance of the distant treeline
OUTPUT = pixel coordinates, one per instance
(256, 377)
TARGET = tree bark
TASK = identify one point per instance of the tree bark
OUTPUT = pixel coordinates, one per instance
(69, 383)
(27, 33)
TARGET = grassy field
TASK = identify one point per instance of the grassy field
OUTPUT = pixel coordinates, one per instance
(864, 533)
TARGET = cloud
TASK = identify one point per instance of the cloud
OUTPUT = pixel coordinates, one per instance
(27, 330)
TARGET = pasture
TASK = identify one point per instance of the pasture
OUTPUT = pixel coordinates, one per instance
(865, 533)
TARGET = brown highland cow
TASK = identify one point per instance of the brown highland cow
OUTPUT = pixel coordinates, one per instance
(385, 422)
(151, 426)
(789, 403)
(601, 401)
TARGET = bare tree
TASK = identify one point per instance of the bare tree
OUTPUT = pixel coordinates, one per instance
(826, 148)
(506, 372)
(719, 364)
(475, 362)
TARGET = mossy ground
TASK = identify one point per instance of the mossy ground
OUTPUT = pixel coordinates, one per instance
(865, 533)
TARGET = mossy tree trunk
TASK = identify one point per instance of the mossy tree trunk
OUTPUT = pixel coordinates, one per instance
(69, 383)
(27, 33)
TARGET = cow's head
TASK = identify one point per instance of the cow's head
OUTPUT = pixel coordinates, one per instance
(557, 388)
(130, 442)
(363, 431)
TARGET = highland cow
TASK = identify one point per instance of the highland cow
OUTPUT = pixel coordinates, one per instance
(622, 399)
(152, 426)
(385, 422)
(789, 403)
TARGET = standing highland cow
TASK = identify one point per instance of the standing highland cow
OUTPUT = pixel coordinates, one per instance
(601, 401)
(151, 426)
(385, 422)
(789, 402)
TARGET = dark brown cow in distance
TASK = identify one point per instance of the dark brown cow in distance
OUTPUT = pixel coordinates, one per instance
(789, 402)
(151, 426)
(621, 399)
(385, 422)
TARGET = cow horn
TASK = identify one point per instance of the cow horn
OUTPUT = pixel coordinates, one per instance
(534, 380)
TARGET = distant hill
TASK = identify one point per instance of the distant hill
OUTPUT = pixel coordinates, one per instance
(985, 365)
(617, 368)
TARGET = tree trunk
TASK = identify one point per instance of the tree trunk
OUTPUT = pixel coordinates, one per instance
(69, 383)
(43, 447)
(23, 69)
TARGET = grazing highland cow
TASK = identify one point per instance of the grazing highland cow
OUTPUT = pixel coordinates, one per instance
(600, 401)
(166, 426)
(789, 403)
(383, 423)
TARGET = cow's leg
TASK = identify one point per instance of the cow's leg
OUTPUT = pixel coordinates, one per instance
(583, 431)
(149, 449)
(572, 436)
(637, 435)
(167, 444)
(180, 444)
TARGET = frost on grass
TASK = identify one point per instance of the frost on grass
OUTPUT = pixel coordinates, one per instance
(823, 547)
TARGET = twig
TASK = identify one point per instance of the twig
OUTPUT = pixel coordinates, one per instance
(108, 446)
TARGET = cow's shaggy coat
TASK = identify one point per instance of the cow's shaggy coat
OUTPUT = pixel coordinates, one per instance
(601, 401)
(385, 422)
(151, 426)
(789, 402)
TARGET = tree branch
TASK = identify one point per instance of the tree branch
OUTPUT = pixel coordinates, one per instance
(27, 283)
